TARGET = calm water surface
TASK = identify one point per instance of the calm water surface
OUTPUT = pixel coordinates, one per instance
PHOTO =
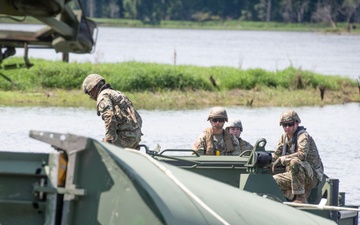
(336, 130)
(330, 54)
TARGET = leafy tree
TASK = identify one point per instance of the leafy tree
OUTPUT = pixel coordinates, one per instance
(348, 8)
(326, 12)
(289, 11)
(130, 8)
(293, 10)
(261, 9)
(149, 11)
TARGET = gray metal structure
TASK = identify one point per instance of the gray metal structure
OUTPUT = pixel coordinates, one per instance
(66, 30)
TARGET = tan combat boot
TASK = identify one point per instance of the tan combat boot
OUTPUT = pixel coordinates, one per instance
(301, 199)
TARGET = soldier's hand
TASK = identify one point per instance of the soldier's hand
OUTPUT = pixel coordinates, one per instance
(106, 140)
(278, 161)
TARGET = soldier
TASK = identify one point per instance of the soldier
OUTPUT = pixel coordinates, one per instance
(215, 140)
(235, 128)
(297, 151)
(122, 122)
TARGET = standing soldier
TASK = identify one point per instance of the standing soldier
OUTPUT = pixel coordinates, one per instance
(235, 128)
(215, 140)
(297, 151)
(122, 122)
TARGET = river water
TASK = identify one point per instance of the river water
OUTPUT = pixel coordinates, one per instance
(335, 128)
(330, 54)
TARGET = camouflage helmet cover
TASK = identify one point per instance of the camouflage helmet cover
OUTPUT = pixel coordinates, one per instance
(289, 116)
(218, 112)
(235, 123)
(91, 81)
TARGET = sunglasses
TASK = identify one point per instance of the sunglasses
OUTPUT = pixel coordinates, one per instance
(288, 124)
(221, 120)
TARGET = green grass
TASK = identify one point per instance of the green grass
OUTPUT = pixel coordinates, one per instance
(138, 76)
(163, 86)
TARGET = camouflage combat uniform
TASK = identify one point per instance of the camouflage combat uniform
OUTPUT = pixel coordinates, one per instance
(235, 123)
(122, 122)
(244, 145)
(208, 143)
(304, 169)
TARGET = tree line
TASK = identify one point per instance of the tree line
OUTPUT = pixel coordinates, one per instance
(287, 11)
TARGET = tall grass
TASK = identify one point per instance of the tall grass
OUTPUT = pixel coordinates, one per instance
(159, 86)
(137, 77)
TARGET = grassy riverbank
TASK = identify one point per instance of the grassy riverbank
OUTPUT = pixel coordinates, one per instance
(214, 25)
(160, 86)
(172, 100)
(228, 25)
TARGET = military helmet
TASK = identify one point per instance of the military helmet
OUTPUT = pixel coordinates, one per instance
(218, 112)
(234, 123)
(289, 116)
(91, 81)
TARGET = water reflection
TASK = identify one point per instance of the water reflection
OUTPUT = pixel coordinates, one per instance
(335, 129)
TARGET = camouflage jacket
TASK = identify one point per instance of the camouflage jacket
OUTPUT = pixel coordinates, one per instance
(122, 121)
(207, 143)
(244, 145)
(303, 147)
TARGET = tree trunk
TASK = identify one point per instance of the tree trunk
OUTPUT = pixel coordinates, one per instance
(91, 8)
(121, 8)
(268, 10)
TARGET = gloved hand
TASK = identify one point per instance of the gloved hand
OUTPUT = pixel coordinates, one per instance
(279, 160)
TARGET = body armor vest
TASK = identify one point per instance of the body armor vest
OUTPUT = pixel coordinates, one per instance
(229, 146)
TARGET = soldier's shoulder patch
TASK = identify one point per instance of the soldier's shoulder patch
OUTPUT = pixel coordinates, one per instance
(101, 106)
(303, 142)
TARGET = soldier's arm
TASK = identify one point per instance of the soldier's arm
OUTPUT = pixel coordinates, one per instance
(278, 151)
(249, 146)
(106, 110)
(303, 146)
(200, 144)
(236, 144)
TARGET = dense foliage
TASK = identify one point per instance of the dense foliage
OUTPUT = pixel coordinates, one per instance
(138, 77)
(288, 11)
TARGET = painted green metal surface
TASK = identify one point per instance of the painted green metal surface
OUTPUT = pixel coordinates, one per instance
(19, 173)
(109, 185)
(252, 172)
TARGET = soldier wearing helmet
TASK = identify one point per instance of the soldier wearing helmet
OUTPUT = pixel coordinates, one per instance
(122, 122)
(235, 128)
(297, 152)
(215, 140)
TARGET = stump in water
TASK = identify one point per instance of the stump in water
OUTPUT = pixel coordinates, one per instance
(322, 92)
(213, 81)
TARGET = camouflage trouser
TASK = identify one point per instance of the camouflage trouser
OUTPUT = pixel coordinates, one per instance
(128, 139)
(298, 179)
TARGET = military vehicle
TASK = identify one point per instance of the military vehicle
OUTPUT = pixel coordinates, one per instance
(252, 172)
(83, 181)
(66, 30)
